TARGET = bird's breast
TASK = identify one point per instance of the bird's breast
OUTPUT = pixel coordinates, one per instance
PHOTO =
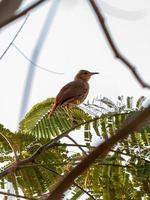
(85, 92)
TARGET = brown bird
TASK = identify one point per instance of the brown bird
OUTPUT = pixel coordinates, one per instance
(73, 93)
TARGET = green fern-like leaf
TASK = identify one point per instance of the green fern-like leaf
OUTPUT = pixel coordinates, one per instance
(37, 123)
(139, 103)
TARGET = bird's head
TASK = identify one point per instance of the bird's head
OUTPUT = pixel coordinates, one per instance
(84, 75)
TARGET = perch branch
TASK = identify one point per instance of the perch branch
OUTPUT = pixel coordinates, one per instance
(17, 165)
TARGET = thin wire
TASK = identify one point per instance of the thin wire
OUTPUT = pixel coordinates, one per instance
(14, 37)
(34, 64)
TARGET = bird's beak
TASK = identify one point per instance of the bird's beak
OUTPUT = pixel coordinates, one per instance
(93, 73)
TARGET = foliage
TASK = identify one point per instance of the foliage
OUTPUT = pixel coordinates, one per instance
(124, 174)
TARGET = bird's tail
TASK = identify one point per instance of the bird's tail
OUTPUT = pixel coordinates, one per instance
(52, 110)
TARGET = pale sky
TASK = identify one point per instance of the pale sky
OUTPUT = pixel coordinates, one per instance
(75, 41)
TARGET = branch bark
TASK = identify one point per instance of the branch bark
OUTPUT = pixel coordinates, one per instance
(131, 125)
(7, 8)
(113, 46)
(74, 183)
(24, 12)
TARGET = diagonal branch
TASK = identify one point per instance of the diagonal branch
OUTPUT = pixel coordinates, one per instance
(24, 12)
(131, 125)
(17, 165)
(16, 195)
(114, 47)
(74, 183)
(52, 143)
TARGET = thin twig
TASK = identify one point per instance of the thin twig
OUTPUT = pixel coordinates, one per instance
(75, 163)
(24, 12)
(115, 165)
(16, 165)
(131, 125)
(52, 143)
(37, 164)
(16, 195)
(21, 27)
(34, 64)
(11, 146)
(48, 145)
(79, 146)
(71, 145)
(93, 147)
(129, 155)
(114, 47)
(74, 183)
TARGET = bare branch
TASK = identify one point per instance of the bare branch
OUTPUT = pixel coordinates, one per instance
(131, 125)
(74, 183)
(16, 195)
(114, 47)
(24, 12)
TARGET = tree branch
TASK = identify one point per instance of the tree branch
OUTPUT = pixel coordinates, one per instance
(114, 47)
(52, 143)
(24, 12)
(16, 165)
(77, 145)
(130, 125)
(74, 183)
(16, 195)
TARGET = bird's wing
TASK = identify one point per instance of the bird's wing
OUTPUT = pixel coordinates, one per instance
(72, 90)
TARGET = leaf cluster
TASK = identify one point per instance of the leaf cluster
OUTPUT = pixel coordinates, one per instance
(124, 174)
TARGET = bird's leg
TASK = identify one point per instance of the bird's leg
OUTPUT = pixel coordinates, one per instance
(52, 108)
(66, 109)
